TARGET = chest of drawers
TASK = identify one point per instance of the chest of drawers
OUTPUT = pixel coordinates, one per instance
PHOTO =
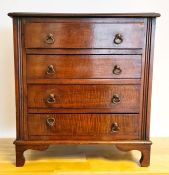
(83, 79)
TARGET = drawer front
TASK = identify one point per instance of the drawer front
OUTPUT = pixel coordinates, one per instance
(118, 98)
(84, 35)
(83, 66)
(106, 126)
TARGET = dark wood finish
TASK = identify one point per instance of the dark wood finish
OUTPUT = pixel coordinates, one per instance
(83, 79)
(20, 149)
(84, 20)
(88, 15)
(144, 149)
(85, 96)
(83, 66)
(97, 125)
(79, 110)
(142, 146)
(54, 142)
(84, 51)
(19, 90)
(149, 49)
(80, 35)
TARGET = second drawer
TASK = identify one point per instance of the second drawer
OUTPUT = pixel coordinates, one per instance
(83, 66)
(116, 98)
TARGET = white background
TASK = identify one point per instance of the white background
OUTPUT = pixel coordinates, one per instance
(160, 96)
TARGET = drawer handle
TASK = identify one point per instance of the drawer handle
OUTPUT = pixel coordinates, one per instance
(117, 70)
(118, 39)
(50, 121)
(115, 99)
(50, 70)
(50, 39)
(115, 127)
(51, 99)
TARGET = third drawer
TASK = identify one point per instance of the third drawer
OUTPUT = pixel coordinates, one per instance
(113, 98)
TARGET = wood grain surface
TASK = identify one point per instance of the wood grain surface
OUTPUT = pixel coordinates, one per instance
(96, 125)
(85, 96)
(78, 77)
(83, 66)
(83, 35)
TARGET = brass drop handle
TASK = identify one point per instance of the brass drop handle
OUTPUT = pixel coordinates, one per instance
(115, 99)
(50, 121)
(50, 39)
(51, 99)
(118, 39)
(50, 70)
(117, 70)
(115, 127)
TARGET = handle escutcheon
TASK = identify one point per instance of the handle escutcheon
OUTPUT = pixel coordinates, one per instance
(51, 99)
(115, 99)
(118, 39)
(50, 121)
(115, 127)
(50, 70)
(117, 70)
(50, 38)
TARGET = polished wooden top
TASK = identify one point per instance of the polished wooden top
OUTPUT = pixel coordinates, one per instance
(100, 15)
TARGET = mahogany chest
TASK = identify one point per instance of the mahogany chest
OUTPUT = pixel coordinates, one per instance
(83, 79)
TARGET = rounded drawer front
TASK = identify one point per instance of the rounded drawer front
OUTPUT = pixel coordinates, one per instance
(114, 98)
(83, 66)
(70, 126)
(84, 35)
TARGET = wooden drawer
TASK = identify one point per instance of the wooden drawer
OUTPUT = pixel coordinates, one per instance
(83, 66)
(84, 35)
(70, 126)
(117, 98)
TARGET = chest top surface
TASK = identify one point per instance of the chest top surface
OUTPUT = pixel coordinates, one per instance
(28, 14)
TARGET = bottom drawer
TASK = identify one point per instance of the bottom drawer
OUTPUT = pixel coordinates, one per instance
(83, 126)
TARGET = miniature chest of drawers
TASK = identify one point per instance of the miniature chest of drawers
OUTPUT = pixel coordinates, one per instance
(83, 79)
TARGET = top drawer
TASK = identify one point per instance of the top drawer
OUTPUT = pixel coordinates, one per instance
(84, 35)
